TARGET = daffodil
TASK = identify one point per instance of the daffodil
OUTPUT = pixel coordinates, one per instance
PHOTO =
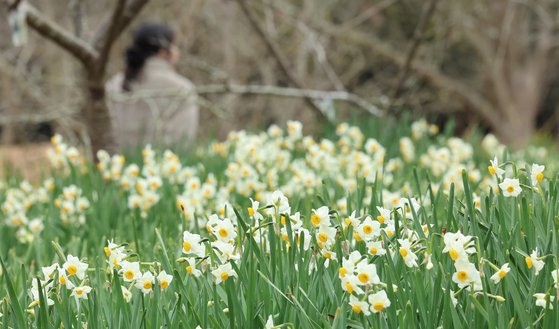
(359, 306)
(536, 174)
(410, 258)
(494, 168)
(375, 248)
(466, 274)
(378, 301)
(191, 244)
(130, 271)
(74, 266)
(223, 272)
(81, 292)
(501, 273)
(369, 229)
(126, 294)
(367, 273)
(510, 187)
(534, 261)
(320, 217)
(542, 300)
(145, 282)
(164, 279)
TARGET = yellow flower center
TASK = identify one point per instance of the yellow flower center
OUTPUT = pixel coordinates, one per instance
(378, 306)
(107, 251)
(349, 288)
(147, 285)
(62, 280)
(223, 232)
(453, 254)
(356, 309)
(327, 255)
(79, 291)
(72, 269)
(224, 276)
(462, 276)
(491, 170)
(323, 237)
(189, 269)
(347, 221)
(373, 250)
(315, 219)
(529, 262)
(510, 189)
(539, 176)
(186, 246)
(250, 212)
(363, 277)
(389, 233)
(357, 236)
(164, 284)
(129, 275)
(380, 218)
(282, 220)
(502, 274)
(403, 252)
(342, 271)
(367, 229)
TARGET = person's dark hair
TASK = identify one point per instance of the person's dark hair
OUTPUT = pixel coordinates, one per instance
(149, 38)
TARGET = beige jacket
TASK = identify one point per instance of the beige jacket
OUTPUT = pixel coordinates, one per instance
(161, 109)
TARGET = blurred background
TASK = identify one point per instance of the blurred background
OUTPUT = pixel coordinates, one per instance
(486, 65)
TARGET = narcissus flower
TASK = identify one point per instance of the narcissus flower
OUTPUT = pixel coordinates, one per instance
(359, 306)
(407, 254)
(74, 266)
(126, 294)
(379, 301)
(536, 174)
(367, 273)
(130, 271)
(164, 279)
(375, 248)
(224, 230)
(533, 261)
(320, 217)
(510, 187)
(369, 229)
(145, 282)
(191, 244)
(466, 274)
(223, 272)
(494, 168)
(81, 292)
(501, 273)
(542, 299)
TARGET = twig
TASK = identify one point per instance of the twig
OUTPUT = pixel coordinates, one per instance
(52, 31)
(255, 90)
(414, 45)
(278, 55)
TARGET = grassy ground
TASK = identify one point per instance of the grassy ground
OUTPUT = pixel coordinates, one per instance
(384, 226)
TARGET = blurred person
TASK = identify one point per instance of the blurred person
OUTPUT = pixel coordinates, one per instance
(150, 102)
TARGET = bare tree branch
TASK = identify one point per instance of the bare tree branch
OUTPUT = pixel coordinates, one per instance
(277, 53)
(131, 10)
(110, 34)
(52, 31)
(428, 12)
(256, 90)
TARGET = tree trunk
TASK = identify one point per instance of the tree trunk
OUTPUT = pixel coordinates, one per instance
(96, 115)
(518, 130)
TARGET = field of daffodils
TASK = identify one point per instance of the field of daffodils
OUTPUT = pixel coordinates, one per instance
(381, 227)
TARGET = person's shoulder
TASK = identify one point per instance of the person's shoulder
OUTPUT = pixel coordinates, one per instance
(114, 84)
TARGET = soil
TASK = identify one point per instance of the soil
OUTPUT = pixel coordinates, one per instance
(28, 161)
